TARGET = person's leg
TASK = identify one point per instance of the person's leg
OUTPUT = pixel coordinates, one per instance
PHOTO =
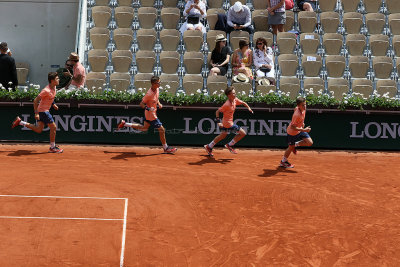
(189, 28)
(239, 136)
(215, 71)
(53, 130)
(288, 151)
(161, 131)
(305, 142)
(280, 27)
(260, 74)
(36, 128)
(249, 29)
(136, 126)
(218, 138)
(275, 29)
(229, 28)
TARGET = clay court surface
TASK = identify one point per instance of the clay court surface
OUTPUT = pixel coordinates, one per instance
(104, 205)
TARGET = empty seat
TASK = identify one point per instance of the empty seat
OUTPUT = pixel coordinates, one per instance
(359, 66)
(192, 83)
(307, 21)
(146, 3)
(169, 61)
(123, 38)
(286, 42)
(260, 4)
(327, 5)
(121, 60)
(216, 83)
(142, 80)
(236, 36)
(333, 43)
(145, 61)
(120, 81)
(193, 62)
(260, 19)
(170, 17)
(314, 83)
(309, 43)
(212, 16)
(386, 86)
(372, 6)
(288, 64)
(146, 39)
(335, 65)
(290, 85)
(98, 59)
(169, 3)
(99, 37)
(375, 22)
(101, 15)
(102, 2)
(396, 45)
(362, 86)
(312, 65)
(393, 6)
(394, 22)
(125, 3)
(147, 17)
(211, 36)
(330, 21)
(22, 72)
(383, 67)
(338, 87)
(379, 44)
(232, 2)
(356, 44)
(169, 82)
(350, 5)
(169, 39)
(193, 40)
(289, 20)
(242, 89)
(215, 3)
(265, 89)
(124, 16)
(268, 36)
(95, 81)
(352, 22)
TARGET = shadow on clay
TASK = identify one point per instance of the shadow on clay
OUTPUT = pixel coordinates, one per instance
(278, 170)
(208, 159)
(19, 153)
(126, 155)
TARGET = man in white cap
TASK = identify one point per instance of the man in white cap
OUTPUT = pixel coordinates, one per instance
(239, 18)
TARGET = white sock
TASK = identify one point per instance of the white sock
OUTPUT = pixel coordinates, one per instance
(297, 143)
(165, 146)
(127, 124)
(284, 159)
(212, 144)
(52, 144)
(232, 143)
(22, 123)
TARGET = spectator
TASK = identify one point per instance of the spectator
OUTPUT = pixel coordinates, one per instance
(307, 5)
(79, 76)
(239, 18)
(65, 74)
(9, 52)
(264, 60)
(8, 70)
(242, 59)
(277, 15)
(195, 10)
(220, 56)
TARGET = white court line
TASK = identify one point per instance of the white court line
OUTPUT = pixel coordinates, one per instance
(121, 198)
(60, 218)
(121, 261)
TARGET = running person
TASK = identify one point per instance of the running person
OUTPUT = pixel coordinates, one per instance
(228, 109)
(297, 135)
(42, 104)
(149, 103)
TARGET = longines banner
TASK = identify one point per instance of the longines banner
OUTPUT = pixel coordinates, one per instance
(197, 127)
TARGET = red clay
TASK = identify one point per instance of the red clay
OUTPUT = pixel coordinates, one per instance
(332, 209)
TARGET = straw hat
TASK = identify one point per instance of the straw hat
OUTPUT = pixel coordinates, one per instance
(73, 56)
(264, 81)
(241, 78)
(237, 7)
(220, 38)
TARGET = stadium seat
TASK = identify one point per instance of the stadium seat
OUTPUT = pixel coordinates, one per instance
(232, 2)
(191, 83)
(315, 83)
(98, 59)
(337, 87)
(286, 42)
(124, 16)
(260, 4)
(332, 43)
(352, 22)
(383, 67)
(211, 36)
(22, 72)
(216, 83)
(95, 81)
(290, 85)
(379, 44)
(327, 5)
(169, 3)
(120, 81)
(393, 6)
(212, 16)
(386, 86)
(335, 65)
(101, 16)
(146, 39)
(147, 17)
(123, 38)
(330, 22)
(145, 61)
(142, 80)
(266, 35)
(169, 39)
(147, 3)
(288, 64)
(193, 40)
(169, 61)
(356, 44)
(171, 80)
(99, 37)
(102, 2)
(375, 23)
(309, 43)
(260, 19)
(307, 21)
(122, 60)
(193, 62)
(358, 66)
(236, 36)
(394, 23)
(170, 17)
(372, 6)
(289, 21)
(350, 5)
(265, 89)
(312, 65)
(215, 3)
(125, 3)
(362, 86)
(396, 45)
(247, 88)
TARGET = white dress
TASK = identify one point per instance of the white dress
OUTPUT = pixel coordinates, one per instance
(196, 12)
(260, 58)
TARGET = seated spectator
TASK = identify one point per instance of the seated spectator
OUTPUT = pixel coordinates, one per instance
(194, 12)
(220, 56)
(8, 69)
(239, 18)
(79, 76)
(264, 60)
(307, 5)
(277, 15)
(242, 59)
(65, 74)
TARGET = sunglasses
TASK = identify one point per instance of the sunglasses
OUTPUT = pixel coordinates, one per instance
(69, 65)
(259, 43)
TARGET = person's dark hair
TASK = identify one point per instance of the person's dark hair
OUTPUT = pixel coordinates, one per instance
(3, 46)
(51, 76)
(218, 47)
(300, 100)
(154, 79)
(261, 40)
(228, 90)
(243, 43)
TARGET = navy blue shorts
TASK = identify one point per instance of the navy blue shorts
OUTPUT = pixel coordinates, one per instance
(45, 117)
(155, 123)
(234, 129)
(292, 139)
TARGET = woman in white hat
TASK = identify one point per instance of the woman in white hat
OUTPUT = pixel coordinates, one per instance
(194, 12)
(242, 59)
(264, 60)
(220, 56)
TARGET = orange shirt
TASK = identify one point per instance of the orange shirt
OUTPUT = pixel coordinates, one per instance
(297, 120)
(229, 109)
(47, 96)
(151, 100)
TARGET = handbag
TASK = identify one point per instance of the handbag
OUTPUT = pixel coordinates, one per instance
(265, 69)
(193, 19)
(289, 4)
